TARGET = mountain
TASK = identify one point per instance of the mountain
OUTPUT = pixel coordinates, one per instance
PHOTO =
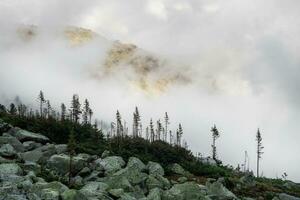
(143, 70)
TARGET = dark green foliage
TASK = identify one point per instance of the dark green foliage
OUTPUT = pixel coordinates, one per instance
(165, 154)
(91, 139)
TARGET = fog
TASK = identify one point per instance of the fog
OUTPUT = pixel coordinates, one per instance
(241, 59)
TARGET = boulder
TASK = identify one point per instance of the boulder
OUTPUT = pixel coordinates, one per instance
(77, 181)
(23, 135)
(133, 174)
(32, 156)
(61, 164)
(31, 145)
(48, 194)
(127, 196)
(84, 172)
(157, 181)
(7, 150)
(48, 190)
(10, 169)
(4, 127)
(185, 191)
(94, 190)
(40, 154)
(105, 154)
(31, 167)
(73, 195)
(155, 168)
(116, 192)
(18, 146)
(155, 194)
(61, 148)
(134, 162)
(216, 189)
(284, 196)
(115, 182)
(111, 164)
(182, 179)
(178, 169)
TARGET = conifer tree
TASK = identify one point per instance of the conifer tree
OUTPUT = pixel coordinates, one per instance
(2, 109)
(12, 109)
(86, 112)
(90, 113)
(75, 108)
(119, 125)
(136, 123)
(215, 136)
(179, 135)
(41, 100)
(166, 126)
(147, 133)
(71, 149)
(152, 135)
(171, 137)
(49, 109)
(259, 150)
(63, 112)
(159, 129)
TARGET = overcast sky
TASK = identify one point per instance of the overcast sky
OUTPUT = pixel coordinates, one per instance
(243, 57)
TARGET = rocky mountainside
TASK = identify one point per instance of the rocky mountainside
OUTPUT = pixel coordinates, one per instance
(145, 70)
(33, 168)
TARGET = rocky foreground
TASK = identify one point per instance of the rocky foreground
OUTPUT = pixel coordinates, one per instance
(33, 168)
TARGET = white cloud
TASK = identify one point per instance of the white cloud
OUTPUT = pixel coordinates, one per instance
(157, 8)
(244, 57)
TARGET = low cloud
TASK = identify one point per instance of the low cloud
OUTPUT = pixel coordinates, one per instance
(238, 61)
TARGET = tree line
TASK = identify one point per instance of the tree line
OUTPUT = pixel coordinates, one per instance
(83, 114)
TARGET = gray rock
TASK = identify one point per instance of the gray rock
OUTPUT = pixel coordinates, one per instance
(116, 192)
(32, 156)
(105, 154)
(94, 189)
(4, 127)
(284, 196)
(182, 179)
(155, 168)
(216, 189)
(155, 194)
(23, 135)
(48, 190)
(178, 169)
(111, 164)
(115, 182)
(61, 163)
(136, 163)
(127, 196)
(18, 146)
(185, 191)
(31, 167)
(84, 172)
(48, 194)
(61, 148)
(73, 195)
(133, 174)
(10, 169)
(157, 181)
(7, 150)
(31, 145)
